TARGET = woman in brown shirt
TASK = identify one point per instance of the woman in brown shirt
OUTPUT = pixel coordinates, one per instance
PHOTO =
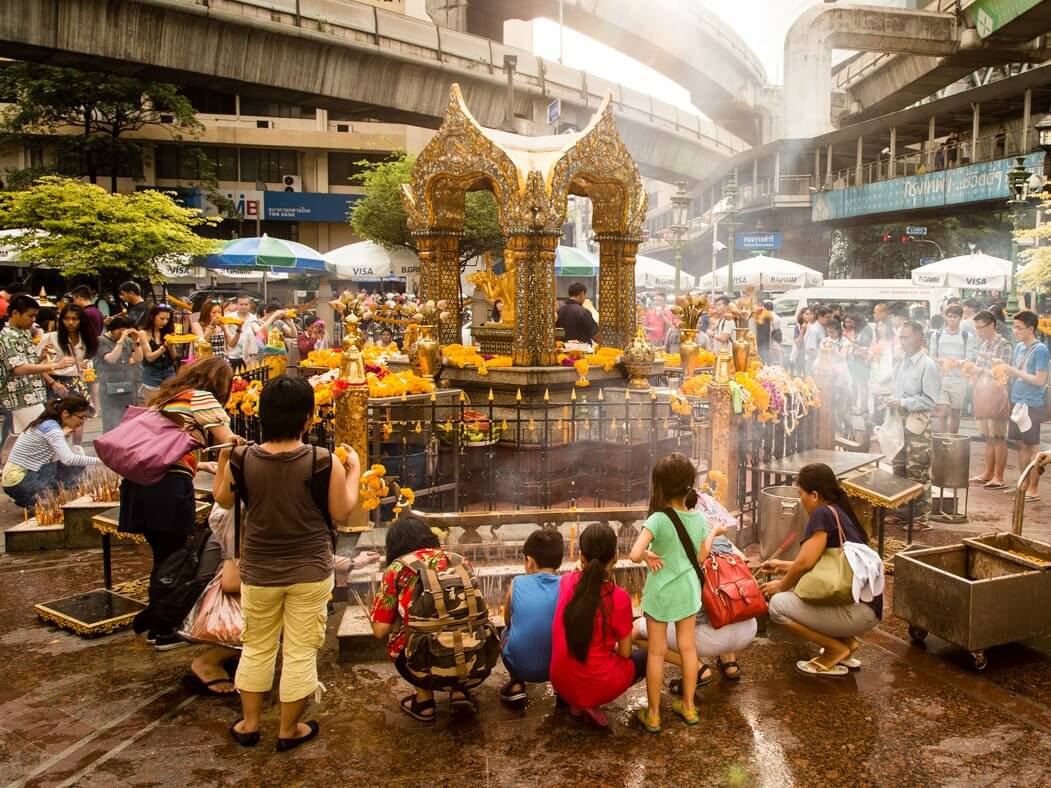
(286, 557)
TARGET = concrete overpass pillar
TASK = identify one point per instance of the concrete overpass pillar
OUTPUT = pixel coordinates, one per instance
(828, 165)
(858, 178)
(930, 143)
(820, 29)
(976, 129)
(449, 13)
(1027, 111)
(892, 161)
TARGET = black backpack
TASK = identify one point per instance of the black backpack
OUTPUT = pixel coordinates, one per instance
(319, 481)
(179, 581)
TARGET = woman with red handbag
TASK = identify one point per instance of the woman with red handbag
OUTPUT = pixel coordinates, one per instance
(672, 594)
(835, 627)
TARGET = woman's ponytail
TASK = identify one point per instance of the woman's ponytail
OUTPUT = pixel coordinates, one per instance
(673, 477)
(598, 546)
(691, 498)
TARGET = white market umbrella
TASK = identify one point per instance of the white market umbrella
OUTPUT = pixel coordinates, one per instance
(650, 272)
(976, 271)
(9, 254)
(366, 261)
(771, 274)
(180, 269)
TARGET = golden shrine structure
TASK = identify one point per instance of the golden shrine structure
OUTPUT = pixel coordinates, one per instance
(531, 179)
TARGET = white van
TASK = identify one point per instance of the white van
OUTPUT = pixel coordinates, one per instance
(860, 295)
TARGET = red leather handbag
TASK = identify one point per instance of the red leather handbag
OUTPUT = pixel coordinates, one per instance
(730, 592)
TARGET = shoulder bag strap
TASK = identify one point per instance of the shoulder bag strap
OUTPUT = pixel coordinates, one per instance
(237, 476)
(839, 526)
(684, 540)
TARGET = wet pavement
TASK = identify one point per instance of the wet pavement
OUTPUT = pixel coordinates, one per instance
(113, 711)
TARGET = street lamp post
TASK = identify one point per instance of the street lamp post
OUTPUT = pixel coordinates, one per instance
(680, 210)
(730, 198)
(1018, 179)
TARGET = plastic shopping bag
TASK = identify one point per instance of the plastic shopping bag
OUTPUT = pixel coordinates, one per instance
(216, 617)
(891, 436)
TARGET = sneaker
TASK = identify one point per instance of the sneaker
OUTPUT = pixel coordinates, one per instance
(151, 636)
(169, 641)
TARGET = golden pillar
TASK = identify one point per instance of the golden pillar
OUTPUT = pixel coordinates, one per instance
(439, 253)
(825, 377)
(533, 255)
(351, 412)
(724, 453)
(616, 296)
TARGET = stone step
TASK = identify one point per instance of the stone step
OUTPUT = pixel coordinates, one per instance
(357, 643)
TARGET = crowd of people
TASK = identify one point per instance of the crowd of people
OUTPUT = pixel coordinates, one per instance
(919, 377)
(260, 577)
(74, 352)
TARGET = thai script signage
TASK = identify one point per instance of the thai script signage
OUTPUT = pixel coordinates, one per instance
(749, 242)
(975, 183)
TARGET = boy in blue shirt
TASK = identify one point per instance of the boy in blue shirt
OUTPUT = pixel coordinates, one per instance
(1029, 373)
(529, 611)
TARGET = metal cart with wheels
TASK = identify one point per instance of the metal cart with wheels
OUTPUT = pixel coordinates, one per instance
(984, 592)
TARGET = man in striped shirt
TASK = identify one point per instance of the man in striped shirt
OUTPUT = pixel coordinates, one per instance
(991, 348)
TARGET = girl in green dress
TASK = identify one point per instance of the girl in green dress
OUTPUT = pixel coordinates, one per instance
(672, 593)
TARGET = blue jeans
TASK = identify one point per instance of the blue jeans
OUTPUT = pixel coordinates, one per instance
(35, 482)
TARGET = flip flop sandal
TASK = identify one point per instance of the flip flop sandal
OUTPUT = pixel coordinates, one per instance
(725, 666)
(704, 676)
(850, 663)
(979, 480)
(466, 702)
(205, 687)
(508, 695)
(415, 708)
(814, 668)
(689, 718)
(996, 486)
(1031, 498)
(642, 717)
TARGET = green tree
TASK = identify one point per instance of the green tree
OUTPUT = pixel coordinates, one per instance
(85, 230)
(49, 101)
(381, 217)
(1036, 262)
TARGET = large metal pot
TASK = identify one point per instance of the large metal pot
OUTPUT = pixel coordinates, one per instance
(782, 520)
(951, 460)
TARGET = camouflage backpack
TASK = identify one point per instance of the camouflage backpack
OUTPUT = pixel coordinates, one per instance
(451, 643)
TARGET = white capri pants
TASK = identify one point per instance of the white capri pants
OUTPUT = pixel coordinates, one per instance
(712, 642)
(838, 621)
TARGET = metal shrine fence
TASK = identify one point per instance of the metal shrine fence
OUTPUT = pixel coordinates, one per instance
(509, 454)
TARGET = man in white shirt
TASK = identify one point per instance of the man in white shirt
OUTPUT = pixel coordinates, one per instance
(815, 335)
(720, 326)
(950, 347)
(243, 354)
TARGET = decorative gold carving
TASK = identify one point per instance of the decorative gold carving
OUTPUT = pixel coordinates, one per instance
(498, 286)
(531, 188)
(350, 411)
(725, 449)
